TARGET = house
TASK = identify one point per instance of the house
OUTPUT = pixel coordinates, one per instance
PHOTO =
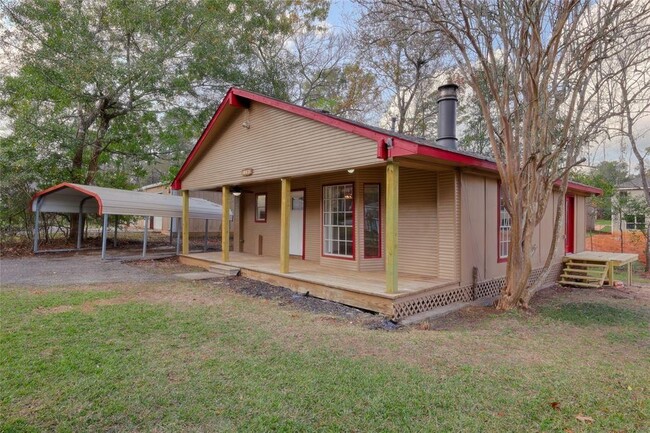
(357, 214)
(630, 213)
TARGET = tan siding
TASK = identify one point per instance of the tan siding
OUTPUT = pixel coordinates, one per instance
(493, 268)
(472, 227)
(269, 230)
(417, 222)
(449, 226)
(277, 144)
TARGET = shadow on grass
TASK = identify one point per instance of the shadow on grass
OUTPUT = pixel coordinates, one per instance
(589, 313)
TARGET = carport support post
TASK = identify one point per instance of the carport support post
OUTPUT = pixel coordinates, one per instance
(80, 229)
(104, 235)
(225, 223)
(37, 217)
(205, 237)
(145, 236)
(285, 212)
(117, 220)
(186, 221)
(178, 236)
(392, 203)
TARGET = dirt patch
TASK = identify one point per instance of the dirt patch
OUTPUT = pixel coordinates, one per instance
(286, 297)
(633, 242)
(54, 310)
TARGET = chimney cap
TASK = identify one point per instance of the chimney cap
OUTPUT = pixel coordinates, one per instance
(448, 91)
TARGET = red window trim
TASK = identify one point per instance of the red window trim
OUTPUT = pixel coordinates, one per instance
(499, 258)
(364, 221)
(266, 207)
(354, 223)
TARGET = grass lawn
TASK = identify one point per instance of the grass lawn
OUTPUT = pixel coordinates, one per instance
(604, 226)
(198, 357)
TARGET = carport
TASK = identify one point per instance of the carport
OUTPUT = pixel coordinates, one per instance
(78, 199)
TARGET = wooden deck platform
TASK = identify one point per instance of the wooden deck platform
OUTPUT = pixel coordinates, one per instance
(365, 290)
(593, 268)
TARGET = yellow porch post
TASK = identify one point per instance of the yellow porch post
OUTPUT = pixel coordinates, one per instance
(225, 223)
(186, 222)
(285, 212)
(392, 206)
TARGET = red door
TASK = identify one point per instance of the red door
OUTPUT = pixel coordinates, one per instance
(569, 225)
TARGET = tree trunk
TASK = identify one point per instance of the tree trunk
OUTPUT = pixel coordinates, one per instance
(647, 246)
(519, 264)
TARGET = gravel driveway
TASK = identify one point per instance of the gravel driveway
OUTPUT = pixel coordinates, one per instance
(50, 270)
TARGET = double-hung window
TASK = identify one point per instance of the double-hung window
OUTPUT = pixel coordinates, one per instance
(505, 226)
(338, 220)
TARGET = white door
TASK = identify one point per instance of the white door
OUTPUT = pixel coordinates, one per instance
(157, 223)
(297, 224)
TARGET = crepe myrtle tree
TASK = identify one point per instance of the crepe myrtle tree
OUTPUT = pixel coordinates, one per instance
(539, 60)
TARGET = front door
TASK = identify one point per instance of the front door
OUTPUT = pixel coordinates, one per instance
(569, 225)
(297, 224)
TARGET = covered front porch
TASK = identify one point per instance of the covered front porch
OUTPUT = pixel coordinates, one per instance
(361, 289)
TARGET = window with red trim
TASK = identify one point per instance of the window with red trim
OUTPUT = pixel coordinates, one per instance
(338, 220)
(371, 220)
(505, 227)
(260, 208)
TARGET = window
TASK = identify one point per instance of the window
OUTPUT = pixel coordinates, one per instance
(260, 208)
(338, 220)
(371, 221)
(635, 222)
(505, 225)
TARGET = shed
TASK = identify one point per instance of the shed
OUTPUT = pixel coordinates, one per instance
(88, 199)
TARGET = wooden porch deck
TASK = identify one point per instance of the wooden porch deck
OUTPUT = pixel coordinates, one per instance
(595, 267)
(365, 290)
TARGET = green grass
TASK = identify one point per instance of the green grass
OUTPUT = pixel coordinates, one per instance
(115, 360)
(606, 226)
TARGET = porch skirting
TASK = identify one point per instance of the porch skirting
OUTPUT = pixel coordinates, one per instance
(422, 302)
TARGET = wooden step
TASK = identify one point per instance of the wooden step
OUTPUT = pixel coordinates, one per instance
(581, 277)
(574, 283)
(226, 271)
(574, 270)
(585, 265)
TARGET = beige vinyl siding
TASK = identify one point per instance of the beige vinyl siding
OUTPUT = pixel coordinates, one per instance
(449, 226)
(269, 230)
(417, 222)
(276, 145)
(473, 242)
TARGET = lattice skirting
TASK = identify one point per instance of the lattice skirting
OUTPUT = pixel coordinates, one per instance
(484, 289)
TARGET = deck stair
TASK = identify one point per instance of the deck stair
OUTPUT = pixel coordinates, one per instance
(583, 273)
(226, 271)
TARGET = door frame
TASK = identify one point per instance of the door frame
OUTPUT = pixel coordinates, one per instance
(304, 218)
(569, 234)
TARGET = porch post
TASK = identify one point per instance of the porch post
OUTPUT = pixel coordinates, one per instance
(225, 223)
(285, 212)
(186, 221)
(178, 235)
(392, 207)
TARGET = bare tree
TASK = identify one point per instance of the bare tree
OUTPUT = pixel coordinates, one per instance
(629, 92)
(406, 63)
(540, 61)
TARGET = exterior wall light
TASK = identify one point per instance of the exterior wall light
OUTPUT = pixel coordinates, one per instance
(351, 170)
(236, 191)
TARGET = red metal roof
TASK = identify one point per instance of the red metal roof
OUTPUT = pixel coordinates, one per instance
(403, 145)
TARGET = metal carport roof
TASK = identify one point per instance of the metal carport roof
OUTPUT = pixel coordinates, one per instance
(70, 197)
